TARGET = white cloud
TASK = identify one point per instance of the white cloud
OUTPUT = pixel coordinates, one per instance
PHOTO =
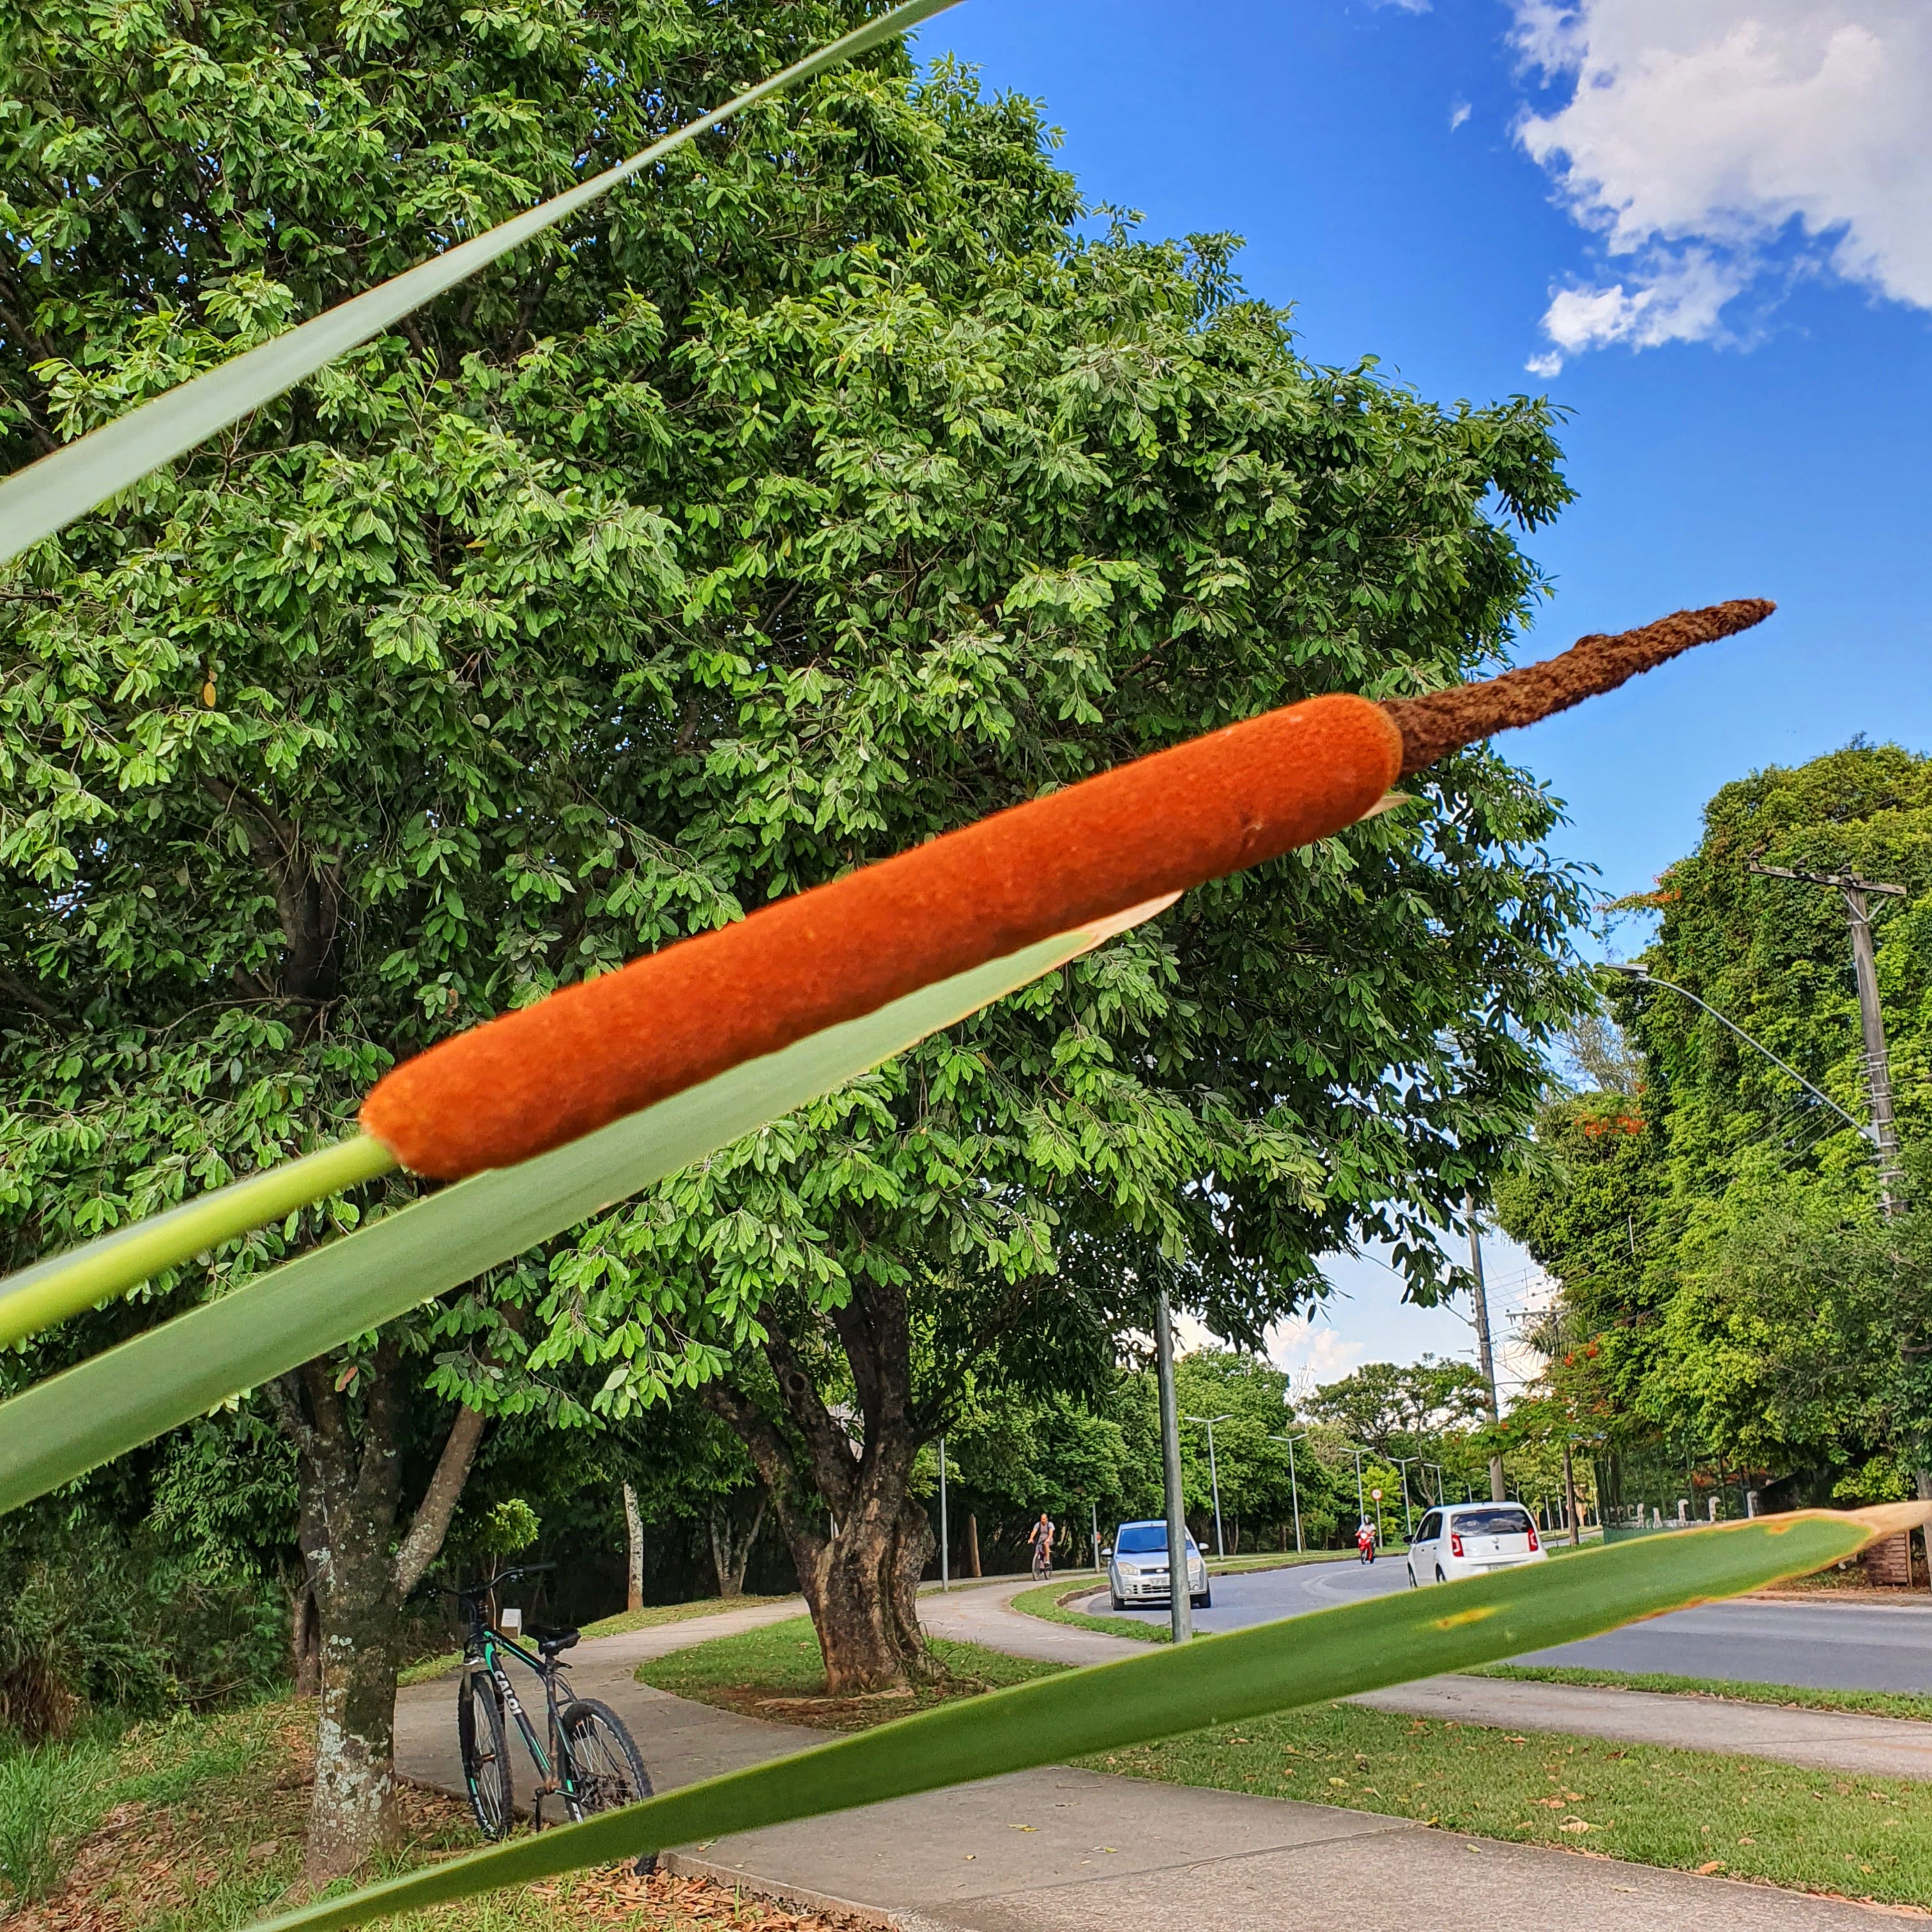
(1405, 6)
(1311, 1353)
(1717, 146)
(1458, 114)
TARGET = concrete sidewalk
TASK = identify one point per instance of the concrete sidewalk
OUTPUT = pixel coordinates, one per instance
(1063, 1850)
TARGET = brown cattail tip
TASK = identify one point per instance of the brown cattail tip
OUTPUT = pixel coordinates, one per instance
(1445, 720)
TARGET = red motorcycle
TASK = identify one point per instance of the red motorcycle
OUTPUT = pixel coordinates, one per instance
(1365, 1543)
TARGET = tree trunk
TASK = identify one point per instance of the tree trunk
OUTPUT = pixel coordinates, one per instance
(634, 1528)
(353, 1812)
(731, 1554)
(860, 1570)
(305, 1640)
(348, 1463)
(973, 1546)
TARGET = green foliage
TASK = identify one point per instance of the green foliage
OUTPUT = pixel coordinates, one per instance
(829, 494)
(1729, 1291)
(502, 1530)
(1404, 1409)
(49, 1799)
(1077, 1458)
(90, 1619)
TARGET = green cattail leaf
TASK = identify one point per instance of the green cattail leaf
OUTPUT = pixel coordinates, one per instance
(61, 1428)
(1215, 1680)
(37, 501)
(50, 1290)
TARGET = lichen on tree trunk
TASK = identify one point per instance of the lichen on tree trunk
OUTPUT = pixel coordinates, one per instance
(347, 1431)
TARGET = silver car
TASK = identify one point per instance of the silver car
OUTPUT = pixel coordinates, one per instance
(1137, 1571)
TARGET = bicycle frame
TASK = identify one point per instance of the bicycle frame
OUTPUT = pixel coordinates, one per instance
(556, 1770)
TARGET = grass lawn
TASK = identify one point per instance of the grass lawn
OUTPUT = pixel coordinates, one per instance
(648, 1619)
(195, 1825)
(1867, 1838)
(1748, 1818)
(778, 1672)
(1863, 1703)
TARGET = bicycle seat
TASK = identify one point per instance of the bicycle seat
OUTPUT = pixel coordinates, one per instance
(550, 1639)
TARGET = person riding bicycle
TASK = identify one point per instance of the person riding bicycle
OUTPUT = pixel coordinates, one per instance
(1365, 1542)
(1039, 1540)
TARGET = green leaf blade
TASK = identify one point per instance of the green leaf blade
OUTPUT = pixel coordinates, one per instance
(52, 1290)
(60, 1429)
(1244, 1674)
(37, 502)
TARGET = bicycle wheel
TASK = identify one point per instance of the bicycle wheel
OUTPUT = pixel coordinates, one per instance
(607, 1769)
(487, 1774)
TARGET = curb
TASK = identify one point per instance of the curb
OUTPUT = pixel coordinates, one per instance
(798, 1898)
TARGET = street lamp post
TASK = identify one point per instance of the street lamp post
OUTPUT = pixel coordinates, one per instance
(1293, 1487)
(1402, 1463)
(945, 1552)
(1181, 1605)
(1213, 1474)
(1644, 977)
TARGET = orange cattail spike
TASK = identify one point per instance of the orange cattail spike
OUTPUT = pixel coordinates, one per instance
(592, 1053)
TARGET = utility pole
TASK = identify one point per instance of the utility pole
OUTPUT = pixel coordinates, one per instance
(1878, 1067)
(1181, 1605)
(1482, 1300)
(1884, 1131)
(945, 1551)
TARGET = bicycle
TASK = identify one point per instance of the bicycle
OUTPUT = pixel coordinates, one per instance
(592, 1763)
(1042, 1561)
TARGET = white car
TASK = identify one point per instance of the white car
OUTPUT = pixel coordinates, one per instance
(1471, 1540)
(1138, 1570)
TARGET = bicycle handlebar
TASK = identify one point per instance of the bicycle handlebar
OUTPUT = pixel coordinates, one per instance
(470, 1592)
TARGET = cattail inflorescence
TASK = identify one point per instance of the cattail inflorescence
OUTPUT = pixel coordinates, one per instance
(591, 1053)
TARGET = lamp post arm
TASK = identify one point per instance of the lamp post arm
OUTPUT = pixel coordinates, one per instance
(1864, 1133)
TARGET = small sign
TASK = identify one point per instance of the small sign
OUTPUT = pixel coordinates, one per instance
(1376, 1494)
(510, 1623)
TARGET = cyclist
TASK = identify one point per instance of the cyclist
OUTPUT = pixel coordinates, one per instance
(1039, 1539)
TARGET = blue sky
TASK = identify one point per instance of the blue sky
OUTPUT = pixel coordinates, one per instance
(1705, 228)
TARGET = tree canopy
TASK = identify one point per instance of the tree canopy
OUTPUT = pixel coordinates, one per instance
(1729, 1293)
(829, 488)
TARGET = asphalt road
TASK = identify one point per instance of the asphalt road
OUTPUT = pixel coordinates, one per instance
(1826, 1646)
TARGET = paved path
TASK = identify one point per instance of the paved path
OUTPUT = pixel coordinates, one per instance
(1062, 1850)
(1824, 1646)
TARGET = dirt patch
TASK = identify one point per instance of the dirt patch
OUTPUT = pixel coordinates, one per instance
(619, 1896)
(859, 1713)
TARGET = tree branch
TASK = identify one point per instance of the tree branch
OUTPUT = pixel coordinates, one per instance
(770, 1454)
(834, 1467)
(424, 1543)
(17, 992)
(307, 904)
